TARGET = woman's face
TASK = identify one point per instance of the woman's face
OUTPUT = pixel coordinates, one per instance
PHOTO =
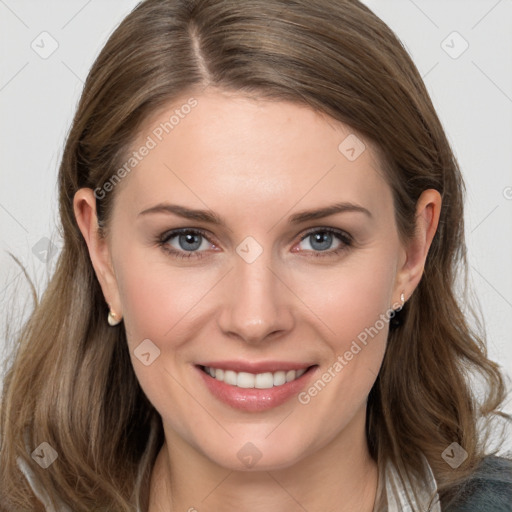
(257, 238)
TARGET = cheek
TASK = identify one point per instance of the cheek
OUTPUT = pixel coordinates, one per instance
(351, 299)
(355, 305)
(157, 300)
(159, 304)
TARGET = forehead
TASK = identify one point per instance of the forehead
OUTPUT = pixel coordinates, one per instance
(222, 146)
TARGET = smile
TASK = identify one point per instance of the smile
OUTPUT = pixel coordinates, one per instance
(255, 387)
(247, 380)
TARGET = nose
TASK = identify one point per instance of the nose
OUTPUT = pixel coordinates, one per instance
(257, 303)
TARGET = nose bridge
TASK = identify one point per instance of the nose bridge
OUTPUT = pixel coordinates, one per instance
(256, 304)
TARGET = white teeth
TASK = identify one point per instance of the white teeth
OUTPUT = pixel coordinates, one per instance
(279, 378)
(245, 380)
(230, 377)
(250, 380)
(264, 380)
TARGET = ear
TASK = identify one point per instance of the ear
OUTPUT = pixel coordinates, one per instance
(84, 204)
(428, 209)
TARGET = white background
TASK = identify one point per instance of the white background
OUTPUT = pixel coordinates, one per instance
(472, 94)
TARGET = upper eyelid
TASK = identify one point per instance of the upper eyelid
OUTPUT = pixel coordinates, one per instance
(171, 233)
(336, 231)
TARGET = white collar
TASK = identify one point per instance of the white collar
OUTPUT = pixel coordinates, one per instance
(406, 493)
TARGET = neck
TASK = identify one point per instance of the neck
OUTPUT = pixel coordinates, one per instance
(339, 476)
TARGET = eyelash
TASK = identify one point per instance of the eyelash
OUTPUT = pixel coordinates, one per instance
(163, 242)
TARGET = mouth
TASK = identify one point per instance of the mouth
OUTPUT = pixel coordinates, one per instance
(255, 387)
(246, 380)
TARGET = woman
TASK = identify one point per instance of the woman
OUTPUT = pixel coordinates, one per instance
(254, 307)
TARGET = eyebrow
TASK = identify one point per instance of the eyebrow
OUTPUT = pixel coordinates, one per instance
(297, 218)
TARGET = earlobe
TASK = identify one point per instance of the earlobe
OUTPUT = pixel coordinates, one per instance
(84, 205)
(428, 208)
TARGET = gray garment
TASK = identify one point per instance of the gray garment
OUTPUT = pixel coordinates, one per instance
(488, 490)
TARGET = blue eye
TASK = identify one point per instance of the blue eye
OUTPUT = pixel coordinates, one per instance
(190, 242)
(185, 243)
(320, 241)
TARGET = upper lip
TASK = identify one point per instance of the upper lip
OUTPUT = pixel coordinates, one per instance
(256, 367)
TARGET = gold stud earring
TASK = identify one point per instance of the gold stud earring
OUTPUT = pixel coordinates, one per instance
(113, 318)
(402, 298)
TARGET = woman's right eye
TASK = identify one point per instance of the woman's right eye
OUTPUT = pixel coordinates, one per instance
(185, 243)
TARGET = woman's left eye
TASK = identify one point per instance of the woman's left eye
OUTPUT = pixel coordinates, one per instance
(320, 242)
(193, 243)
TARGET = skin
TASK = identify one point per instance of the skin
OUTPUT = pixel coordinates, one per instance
(254, 163)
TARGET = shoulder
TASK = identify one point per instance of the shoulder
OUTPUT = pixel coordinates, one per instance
(488, 489)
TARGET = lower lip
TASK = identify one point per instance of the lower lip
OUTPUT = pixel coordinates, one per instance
(252, 399)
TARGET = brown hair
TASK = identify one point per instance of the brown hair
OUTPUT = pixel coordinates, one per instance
(71, 382)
